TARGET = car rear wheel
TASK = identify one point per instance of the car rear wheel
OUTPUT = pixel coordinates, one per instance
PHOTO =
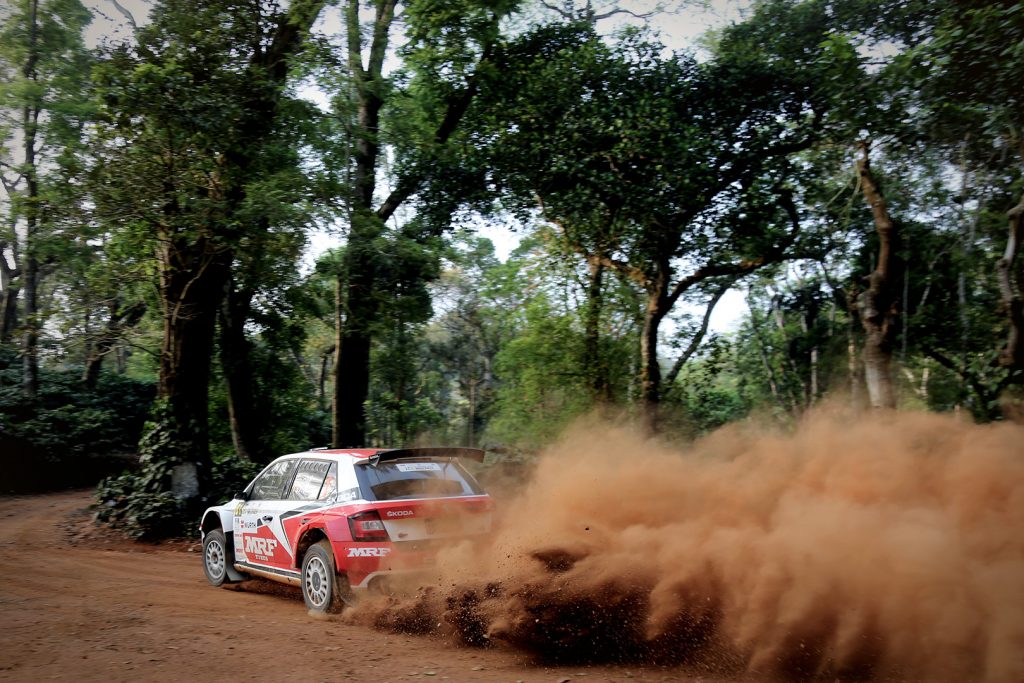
(321, 588)
(215, 557)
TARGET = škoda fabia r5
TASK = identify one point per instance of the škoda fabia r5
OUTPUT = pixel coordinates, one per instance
(335, 522)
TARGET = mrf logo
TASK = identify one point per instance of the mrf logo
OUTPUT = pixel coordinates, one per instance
(368, 552)
(260, 547)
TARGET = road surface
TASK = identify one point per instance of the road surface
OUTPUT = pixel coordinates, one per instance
(78, 603)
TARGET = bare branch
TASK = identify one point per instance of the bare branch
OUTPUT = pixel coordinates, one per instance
(557, 10)
(696, 340)
(710, 270)
(126, 14)
(620, 10)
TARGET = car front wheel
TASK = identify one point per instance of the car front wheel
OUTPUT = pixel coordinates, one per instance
(320, 586)
(215, 557)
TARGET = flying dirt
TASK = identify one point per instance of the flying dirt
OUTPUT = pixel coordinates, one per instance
(878, 547)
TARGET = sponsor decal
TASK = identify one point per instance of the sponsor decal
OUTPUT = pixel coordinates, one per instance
(347, 494)
(368, 552)
(261, 548)
(399, 513)
(418, 467)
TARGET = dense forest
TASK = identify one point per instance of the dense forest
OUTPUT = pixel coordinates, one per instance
(853, 168)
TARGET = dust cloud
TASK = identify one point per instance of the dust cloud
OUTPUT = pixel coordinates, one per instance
(874, 547)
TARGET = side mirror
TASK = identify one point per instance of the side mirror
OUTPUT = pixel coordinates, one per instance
(241, 495)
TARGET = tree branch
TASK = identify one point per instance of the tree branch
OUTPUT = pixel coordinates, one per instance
(559, 11)
(126, 14)
(453, 116)
(696, 340)
(710, 270)
(619, 10)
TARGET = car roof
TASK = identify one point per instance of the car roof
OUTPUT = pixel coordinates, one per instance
(393, 453)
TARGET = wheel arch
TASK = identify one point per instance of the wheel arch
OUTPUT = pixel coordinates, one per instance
(213, 520)
(308, 538)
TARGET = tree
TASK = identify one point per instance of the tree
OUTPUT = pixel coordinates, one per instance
(45, 64)
(973, 95)
(446, 50)
(878, 304)
(190, 110)
(671, 173)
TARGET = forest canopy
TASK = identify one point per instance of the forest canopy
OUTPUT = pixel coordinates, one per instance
(852, 169)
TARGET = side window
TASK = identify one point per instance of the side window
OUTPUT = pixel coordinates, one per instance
(271, 484)
(309, 480)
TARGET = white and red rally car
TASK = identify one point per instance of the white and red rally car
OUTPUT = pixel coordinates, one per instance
(334, 521)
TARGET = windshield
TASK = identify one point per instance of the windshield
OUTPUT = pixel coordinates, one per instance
(416, 479)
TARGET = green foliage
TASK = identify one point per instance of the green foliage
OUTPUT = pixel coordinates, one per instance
(143, 503)
(542, 387)
(130, 503)
(401, 402)
(124, 502)
(286, 408)
(708, 393)
(67, 421)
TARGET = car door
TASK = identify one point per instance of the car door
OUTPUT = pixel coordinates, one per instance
(313, 487)
(260, 538)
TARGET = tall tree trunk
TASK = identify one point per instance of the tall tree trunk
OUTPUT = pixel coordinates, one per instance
(235, 352)
(1011, 356)
(593, 360)
(354, 338)
(967, 238)
(650, 369)
(192, 281)
(8, 312)
(351, 389)
(336, 371)
(30, 344)
(194, 267)
(878, 305)
(30, 276)
(352, 362)
(8, 283)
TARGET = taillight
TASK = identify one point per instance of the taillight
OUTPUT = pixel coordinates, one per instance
(367, 526)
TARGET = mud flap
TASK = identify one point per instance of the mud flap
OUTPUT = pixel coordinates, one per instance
(233, 574)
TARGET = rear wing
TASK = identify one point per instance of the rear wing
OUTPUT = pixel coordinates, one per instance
(440, 452)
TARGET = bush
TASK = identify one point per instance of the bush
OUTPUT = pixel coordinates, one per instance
(133, 502)
(68, 435)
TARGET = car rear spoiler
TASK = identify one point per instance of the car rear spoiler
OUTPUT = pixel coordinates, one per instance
(440, 452)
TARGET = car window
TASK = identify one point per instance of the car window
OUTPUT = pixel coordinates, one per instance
(271, 484)
(309, 479)
(415, 479)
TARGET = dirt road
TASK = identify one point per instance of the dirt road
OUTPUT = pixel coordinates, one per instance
(80, 605)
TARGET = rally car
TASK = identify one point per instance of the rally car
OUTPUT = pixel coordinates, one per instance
(336, 522)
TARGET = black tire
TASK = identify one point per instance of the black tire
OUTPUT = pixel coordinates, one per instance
(216, 557)
(321, 588)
